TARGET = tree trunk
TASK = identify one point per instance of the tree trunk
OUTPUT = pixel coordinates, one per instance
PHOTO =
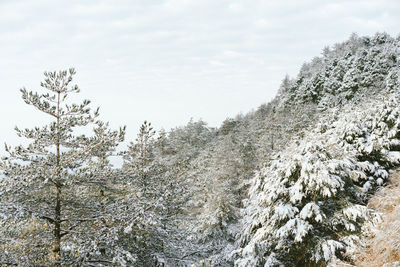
(57, 224)
(57, 218)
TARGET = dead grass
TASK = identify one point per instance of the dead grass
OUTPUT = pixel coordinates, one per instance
(383, 245)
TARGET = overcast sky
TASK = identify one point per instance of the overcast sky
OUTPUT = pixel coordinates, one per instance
(167, 61)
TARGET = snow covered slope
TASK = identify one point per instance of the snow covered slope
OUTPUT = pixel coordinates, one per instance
(307, 206)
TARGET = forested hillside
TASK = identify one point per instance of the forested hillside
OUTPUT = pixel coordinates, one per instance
(284, 185)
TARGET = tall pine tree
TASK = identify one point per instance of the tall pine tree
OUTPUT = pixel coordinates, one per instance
(44, 188)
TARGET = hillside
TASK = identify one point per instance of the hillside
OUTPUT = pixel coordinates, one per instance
(308, 205)
(285, 185)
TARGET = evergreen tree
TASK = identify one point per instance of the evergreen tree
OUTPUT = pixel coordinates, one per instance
(308, 206)
(139, 161)
(44, 188)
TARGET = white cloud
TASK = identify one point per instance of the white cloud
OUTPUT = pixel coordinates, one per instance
(217, 63)
(97, 8)
(235, 7)
(231, 54)
(263, 23)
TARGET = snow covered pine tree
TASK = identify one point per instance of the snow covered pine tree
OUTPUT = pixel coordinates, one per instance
(45, 187)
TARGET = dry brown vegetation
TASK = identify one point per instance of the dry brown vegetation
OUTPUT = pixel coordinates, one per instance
(383, 245)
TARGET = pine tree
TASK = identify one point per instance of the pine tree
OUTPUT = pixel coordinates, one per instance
(139, 163)
(308, 206)
(45, 185)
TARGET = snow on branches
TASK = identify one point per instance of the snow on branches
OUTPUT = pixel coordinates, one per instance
(308, 205)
